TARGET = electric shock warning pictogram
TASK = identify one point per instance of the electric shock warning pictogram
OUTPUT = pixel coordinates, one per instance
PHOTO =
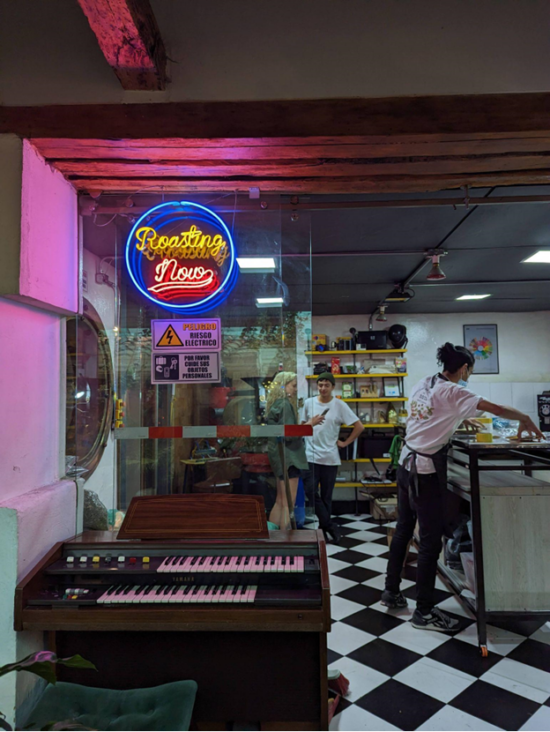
(181, 256)
(169, 338)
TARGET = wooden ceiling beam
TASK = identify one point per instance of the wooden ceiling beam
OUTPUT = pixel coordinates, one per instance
(190, 150)
(437, 118)
(360, 168)
(130, 40)
(344, 184)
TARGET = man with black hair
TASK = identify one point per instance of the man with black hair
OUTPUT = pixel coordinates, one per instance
(322, 449)
(438, 405)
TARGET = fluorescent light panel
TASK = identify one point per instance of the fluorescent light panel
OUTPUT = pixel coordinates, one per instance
(269, 302)
(542, 257)
(256, 264)
(472, 297)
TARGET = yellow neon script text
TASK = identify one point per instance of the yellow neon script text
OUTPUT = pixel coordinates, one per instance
(192, 244)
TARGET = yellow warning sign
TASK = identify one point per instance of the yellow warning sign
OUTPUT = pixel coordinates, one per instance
(169, 339)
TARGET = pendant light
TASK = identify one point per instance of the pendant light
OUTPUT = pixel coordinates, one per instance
(381, 317)
(436, 273)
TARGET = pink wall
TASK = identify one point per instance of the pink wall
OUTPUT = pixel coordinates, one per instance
(49, 235)
(30, 360)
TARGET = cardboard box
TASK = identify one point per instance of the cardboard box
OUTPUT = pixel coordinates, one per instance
(384, 510)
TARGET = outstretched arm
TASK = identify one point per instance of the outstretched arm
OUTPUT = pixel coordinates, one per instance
(526, 424)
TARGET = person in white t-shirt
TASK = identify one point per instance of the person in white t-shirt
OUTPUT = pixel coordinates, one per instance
(322, 449)
(438, 405)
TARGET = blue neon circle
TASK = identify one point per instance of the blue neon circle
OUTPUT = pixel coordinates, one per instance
(166, 213)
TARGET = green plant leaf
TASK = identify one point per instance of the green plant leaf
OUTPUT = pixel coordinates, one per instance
(43, 664)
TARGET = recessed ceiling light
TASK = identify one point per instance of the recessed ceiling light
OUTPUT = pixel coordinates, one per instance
(542, 257)
(256, 264)
(269, 302)
(472, 297)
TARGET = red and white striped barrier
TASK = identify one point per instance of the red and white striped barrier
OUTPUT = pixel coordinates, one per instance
(213, 431)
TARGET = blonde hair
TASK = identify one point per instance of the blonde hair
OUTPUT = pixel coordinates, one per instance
(277, 388)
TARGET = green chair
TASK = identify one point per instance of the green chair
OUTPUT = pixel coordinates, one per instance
(165, 707)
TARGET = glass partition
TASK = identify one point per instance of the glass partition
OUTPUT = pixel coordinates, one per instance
(216, 436)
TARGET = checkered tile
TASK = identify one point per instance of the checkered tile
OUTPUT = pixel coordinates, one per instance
(407, 679)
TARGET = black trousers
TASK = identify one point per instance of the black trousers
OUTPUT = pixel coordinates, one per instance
(319, 483)
(430, 511)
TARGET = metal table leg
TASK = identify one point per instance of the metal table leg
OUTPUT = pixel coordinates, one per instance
(478, 554)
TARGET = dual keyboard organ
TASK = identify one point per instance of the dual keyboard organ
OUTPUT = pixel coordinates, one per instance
(139, 574)
(245, 618)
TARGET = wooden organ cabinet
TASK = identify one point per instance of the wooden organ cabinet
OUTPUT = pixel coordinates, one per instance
(193, 587)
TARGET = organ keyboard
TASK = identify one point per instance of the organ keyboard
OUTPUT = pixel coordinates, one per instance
(228, 613)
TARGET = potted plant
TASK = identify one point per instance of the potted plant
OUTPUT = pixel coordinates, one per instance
(43, 664)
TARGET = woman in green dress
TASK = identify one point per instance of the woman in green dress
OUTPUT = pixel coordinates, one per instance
(281, 409)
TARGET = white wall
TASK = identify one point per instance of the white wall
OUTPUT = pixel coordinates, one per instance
(524, 350)
(246, 49)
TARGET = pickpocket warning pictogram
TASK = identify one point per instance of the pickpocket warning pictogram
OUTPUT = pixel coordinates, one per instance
(169, 339)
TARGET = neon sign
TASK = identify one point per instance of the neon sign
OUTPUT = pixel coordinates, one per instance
(181, 256)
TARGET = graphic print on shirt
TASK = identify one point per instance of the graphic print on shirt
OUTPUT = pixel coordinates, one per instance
(421, 405)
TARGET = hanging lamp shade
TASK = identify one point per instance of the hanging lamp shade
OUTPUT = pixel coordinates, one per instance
(381, 317)
(436, 273)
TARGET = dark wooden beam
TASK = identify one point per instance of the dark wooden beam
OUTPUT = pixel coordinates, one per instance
(303, 168)
(438, 118)
(130, 40)
(344, 184)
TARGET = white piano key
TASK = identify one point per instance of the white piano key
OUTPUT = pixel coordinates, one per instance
(103, 598)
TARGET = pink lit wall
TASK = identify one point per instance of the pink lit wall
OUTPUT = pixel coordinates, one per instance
(30, 382)
(49, 235)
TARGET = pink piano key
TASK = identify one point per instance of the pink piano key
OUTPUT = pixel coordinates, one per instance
(208, 564)
(202, 593)
(268, 566)
(130, 596)
(279, 564)
(175, 596)
(228, 594)
(260, 564)
(253, 565)
(287, 567)
(208, 594)
(241, 563)
(238, 594)
(218, 563)
(252, 594)
(224, 564)
(185, 564)
(217, 593)
(233, 564)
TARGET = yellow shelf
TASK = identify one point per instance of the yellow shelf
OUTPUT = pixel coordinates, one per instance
(374, 424)
(367, 460)
(361, 376)
(367, 485)
(351, 353)
(374, 399)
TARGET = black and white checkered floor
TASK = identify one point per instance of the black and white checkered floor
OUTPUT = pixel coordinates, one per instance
(408, 679)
